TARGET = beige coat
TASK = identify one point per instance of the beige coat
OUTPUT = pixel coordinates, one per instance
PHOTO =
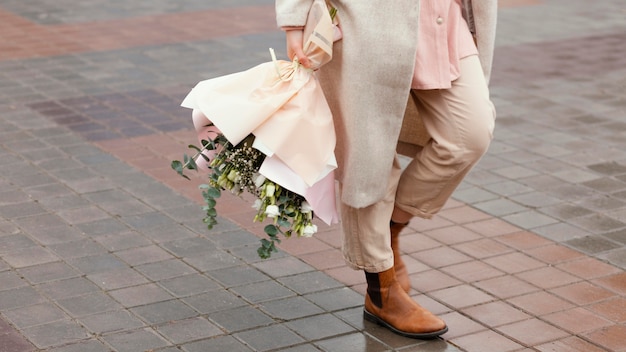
(368, 81)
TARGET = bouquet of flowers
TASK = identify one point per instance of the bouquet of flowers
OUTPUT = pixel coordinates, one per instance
(270, 133)
(236, 168)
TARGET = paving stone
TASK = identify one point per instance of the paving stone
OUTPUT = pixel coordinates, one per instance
(161, 312)
(111, 321)
(222, 343)
(166, 269)
(189, 285)
(137, 340)
(214, 301)
(88, 346)
(36, 314)
(140, 295)
(310, 282)
(55, 333)
(48, 272)
(184, 331)
(336, 299)
(269, 338)
(290, 308)
(97, 264)
(58, 290)
(241, 318)
(319, 327)
(238, 275)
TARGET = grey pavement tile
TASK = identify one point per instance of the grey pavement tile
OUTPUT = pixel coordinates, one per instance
(55, 334)
(14, 241)
(319, 327)
(598, 223)
(262, 291)
(91, 303)
(565, 211)
(283, 266)
(560, 232)
(102, 227)
(117, 279)
(602, 203)
(166, 269)
(97, 264)
(58, 290)
(83, 214)
(499, 207)
(529, 219)
(185, 331)
(310, 282)
(352, 342)
(617, 236)
(48, 272)
(309, 347)
(71, 201)
(57, 234)
(592, 244)
(137, 340)
(91, 345)
(20, 210)
(269, 338)
(140, 295)
(161, 312)
(147, 221)
(238, 275)
(143, 255)
(35, 314)
(189, 285)
(221, 343)
(336, 299)
(616, 257)
(124, 240)
(111, 321)
(535, 200)
(30, 256)
(169, 233)
(241, 318)
(473, 194)
(77, 249)
(290, 308)
(214, 301)
(11, 280)
(229, 239)
(212, 260)
(507, 188)
(190, 246)
(606, 184)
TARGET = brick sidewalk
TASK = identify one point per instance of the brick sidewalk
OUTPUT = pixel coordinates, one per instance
(102, 247)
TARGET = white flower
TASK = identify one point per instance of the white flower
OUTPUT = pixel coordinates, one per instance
(309, 230)
(257, 204)
(269, 190)
(305, 208)
(272, 211)
(258, 182)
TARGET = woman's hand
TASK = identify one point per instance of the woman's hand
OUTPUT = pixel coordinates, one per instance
(295, 38)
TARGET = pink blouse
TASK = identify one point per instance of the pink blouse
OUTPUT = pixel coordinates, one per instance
(443, 40)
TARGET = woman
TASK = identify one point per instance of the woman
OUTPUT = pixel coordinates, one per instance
(392, 52)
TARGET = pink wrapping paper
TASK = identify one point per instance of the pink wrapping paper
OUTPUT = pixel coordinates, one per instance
(283, 105)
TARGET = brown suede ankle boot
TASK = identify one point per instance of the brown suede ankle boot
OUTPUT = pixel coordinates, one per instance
(387, 304)
(402, 273)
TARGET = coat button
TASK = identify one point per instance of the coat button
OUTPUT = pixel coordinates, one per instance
(439, 20)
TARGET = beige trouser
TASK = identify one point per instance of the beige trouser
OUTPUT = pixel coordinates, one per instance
(460, 121)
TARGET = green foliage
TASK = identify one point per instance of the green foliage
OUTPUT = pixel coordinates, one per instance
(235, 168)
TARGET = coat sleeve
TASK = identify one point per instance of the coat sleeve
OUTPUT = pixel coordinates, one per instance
(485, 17)
(292, 13)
